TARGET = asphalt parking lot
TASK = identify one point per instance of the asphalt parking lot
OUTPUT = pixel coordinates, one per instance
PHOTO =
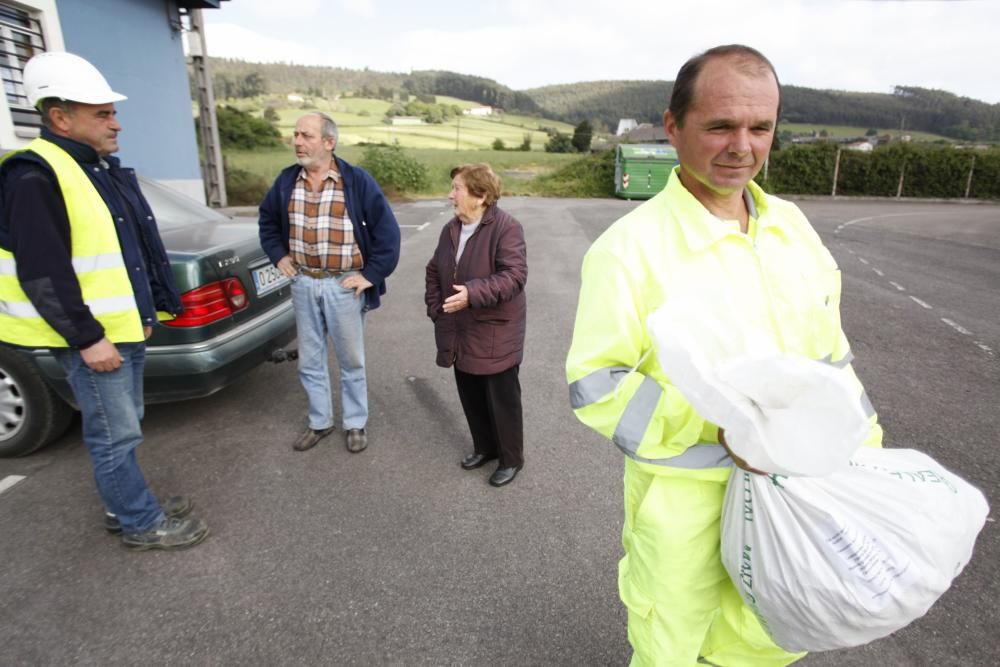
(396, 556)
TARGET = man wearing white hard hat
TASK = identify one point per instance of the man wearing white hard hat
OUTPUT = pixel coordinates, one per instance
(83, 272)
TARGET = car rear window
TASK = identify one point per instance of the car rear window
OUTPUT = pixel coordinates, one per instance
(173, 209)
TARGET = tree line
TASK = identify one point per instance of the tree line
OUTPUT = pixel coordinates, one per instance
(605, 102)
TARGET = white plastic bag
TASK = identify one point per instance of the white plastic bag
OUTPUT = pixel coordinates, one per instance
(839, 561)
(768, 403)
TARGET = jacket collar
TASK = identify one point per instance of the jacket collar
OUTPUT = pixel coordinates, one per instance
(489, 215)
(702, 229)
(78, 151)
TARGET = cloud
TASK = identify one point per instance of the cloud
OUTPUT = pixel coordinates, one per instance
(362, 8)
(525, 43)
(225, 40)
(272, 9)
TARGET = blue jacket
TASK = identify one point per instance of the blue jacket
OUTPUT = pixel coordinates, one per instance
(34, 226)
(375, 228)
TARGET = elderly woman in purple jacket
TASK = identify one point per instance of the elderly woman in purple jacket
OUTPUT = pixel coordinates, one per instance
(475, 296)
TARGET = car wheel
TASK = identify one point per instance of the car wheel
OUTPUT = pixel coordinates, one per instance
(31, 414)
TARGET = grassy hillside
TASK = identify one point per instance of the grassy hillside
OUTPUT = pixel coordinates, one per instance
(360, 120)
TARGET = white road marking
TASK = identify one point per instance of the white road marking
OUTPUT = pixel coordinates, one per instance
(922, 303)
(872, 217)
(897, 286)
(863, 261)
(877, 272)
(9, 481)
(984, 347)
(423, 226)
(957, 327)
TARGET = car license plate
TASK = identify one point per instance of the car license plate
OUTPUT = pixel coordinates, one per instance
(268, 278)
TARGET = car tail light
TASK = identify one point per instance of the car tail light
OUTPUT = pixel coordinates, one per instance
(210, 303)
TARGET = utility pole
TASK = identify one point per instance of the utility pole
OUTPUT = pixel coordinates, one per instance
(213, 170)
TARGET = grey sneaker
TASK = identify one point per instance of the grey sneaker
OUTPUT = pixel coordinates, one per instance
(357, 440)
(168, 534)
(173, 506)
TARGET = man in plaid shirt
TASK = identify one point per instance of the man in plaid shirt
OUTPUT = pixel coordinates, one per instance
(326, 225)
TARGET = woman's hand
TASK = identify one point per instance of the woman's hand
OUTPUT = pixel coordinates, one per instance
(457, 301)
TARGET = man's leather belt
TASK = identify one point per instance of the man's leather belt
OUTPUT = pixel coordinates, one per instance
(319, 273)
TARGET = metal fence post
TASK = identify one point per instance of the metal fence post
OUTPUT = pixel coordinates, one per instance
(836, 172)
(968, 181)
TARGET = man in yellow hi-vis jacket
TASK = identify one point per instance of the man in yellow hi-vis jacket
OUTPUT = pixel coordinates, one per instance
(750, 259)
(83, 272)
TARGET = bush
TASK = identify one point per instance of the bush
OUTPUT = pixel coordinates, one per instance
(394, 170)
(239, 129)
(244, 188)
(559, 143)
(498, 145)
(525, 143)
(582, 135)
(590, 176)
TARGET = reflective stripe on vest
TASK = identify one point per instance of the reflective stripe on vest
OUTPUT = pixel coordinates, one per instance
(638, 414)
(97, 262)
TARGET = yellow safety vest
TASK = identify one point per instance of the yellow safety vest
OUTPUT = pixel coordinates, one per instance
(782, 282)
(97, 261)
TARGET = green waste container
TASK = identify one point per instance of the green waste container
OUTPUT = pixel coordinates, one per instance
(642, 170)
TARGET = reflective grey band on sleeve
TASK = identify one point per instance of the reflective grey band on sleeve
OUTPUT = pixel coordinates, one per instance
(842, 363)
(866, 405)
(637, 415)
(700, 456)
(594, 387)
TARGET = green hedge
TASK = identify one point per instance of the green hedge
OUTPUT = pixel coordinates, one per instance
(928, 171)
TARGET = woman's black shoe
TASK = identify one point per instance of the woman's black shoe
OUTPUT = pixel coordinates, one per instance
(473, 461)
(504, 475)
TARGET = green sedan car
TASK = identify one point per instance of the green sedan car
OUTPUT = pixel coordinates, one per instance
(237, 315)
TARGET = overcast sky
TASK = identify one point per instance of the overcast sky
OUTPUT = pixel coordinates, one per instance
(859, 45)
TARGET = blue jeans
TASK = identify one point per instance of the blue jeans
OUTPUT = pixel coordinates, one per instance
(111, 407)
(325, 309)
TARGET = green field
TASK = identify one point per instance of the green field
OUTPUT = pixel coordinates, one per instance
(360, 121)
(516, 168)
(847, 132)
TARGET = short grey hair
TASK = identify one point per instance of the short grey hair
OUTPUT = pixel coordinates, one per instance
(328, 127)
(49, 103)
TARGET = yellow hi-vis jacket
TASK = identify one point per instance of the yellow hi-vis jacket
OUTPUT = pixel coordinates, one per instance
(781, 281)
(97, 261)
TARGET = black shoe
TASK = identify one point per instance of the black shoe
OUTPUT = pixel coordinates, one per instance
(504, 475)
(309, 439)
(168, 534)
(175, 507)
(473, 461)
(357, 440)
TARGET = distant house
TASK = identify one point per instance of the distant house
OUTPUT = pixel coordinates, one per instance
(292, 97)
(403, 120)
(478, 111)
(862, 145)
(625, 125)
(647, 133)
(138, 48)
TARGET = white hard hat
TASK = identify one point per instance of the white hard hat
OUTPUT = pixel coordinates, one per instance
(68, 77)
